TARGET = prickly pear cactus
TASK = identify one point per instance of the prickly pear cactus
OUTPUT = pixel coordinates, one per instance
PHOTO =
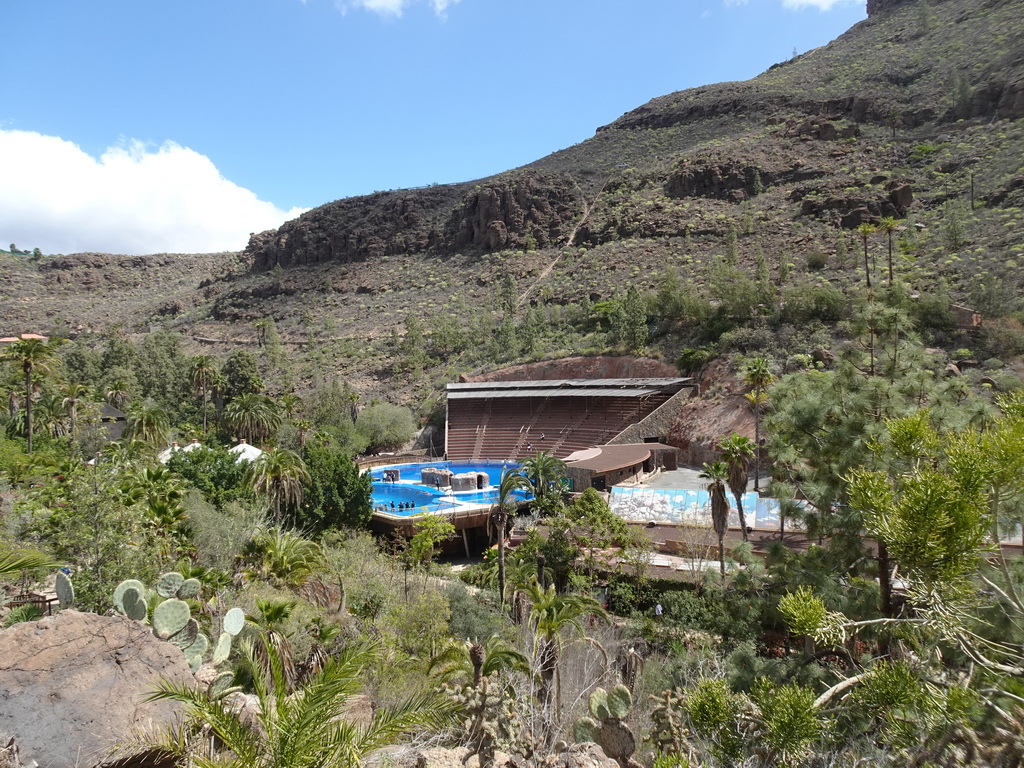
(605, 726)
(65, 590)
(189, 588)
(186, 636)
(221, 685)
(169, 584)
(234, 620)
(222, 650)
(170, 617)
(126, 603)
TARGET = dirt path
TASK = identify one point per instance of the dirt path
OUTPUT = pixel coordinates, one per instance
(568, 244)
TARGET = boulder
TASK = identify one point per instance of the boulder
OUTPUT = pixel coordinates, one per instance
(901, 196)
(75, 685)
(855, 218)
(586, 755)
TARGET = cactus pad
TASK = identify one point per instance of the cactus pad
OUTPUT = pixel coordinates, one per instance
(619, 701)
(65, 590)
(168, 584)
(134, 602)
(221, 685)
(186, 636)
(234, 620)
(170, 617)
(585, 730)
(222, 650)
(189, 588)
(199, 647)
(124, 586)
(598, 704)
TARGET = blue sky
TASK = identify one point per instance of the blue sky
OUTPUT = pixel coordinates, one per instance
(134, 127)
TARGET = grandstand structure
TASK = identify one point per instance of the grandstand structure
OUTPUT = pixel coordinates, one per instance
(510, 420)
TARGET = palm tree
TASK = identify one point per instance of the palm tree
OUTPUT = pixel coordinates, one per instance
(550, 615)
(717, 472)
(544, 472)
(149, 423)
(757, 374)
(202, 371)
(32, 356)
(12, 394)
(273, 615)
(737, 450)
(118, 393)
(866, 230)
(504, 505)
(307, 729)
(889, 225)
(74, 396)
(303, 427)
(49, 414)
(281, 556)
(278, 476)
(12, 563)
(254, 417)
(290, 403)
(471, 662)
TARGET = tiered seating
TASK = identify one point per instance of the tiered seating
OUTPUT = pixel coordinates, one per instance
(464, 425)
(516, 427)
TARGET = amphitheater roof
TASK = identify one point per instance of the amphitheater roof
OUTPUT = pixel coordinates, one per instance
(565, 388)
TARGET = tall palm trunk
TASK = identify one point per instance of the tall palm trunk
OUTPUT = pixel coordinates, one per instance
(739, 513)
(499, 524)
(206, 405)
(757, 438)
(28, 405)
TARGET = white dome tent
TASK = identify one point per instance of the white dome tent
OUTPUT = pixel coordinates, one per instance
(245, 452)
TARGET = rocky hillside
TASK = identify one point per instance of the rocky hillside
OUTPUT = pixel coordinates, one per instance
(913, 114)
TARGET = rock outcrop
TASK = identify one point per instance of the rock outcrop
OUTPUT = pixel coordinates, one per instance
(74, 685)
(356, 229)
(529, 211)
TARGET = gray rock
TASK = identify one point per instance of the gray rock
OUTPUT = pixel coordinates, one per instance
(72, 686)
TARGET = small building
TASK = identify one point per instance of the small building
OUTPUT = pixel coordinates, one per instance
(113, 422)
(607, 465)
(967, 319)
(165, 455)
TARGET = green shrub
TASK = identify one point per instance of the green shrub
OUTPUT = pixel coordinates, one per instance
(816, 260)
(471, 617)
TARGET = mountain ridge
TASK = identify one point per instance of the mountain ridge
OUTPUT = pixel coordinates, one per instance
(913, 113)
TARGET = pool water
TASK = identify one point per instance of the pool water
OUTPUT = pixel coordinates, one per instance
(392, 497)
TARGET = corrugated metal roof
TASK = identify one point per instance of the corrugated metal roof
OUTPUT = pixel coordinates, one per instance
(479, 394)
(548, 384)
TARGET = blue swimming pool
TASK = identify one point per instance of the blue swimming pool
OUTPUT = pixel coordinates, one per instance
(408, 496)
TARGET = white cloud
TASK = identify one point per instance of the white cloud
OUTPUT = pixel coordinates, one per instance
(133, 199)
(441, 6)
(393, 8)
